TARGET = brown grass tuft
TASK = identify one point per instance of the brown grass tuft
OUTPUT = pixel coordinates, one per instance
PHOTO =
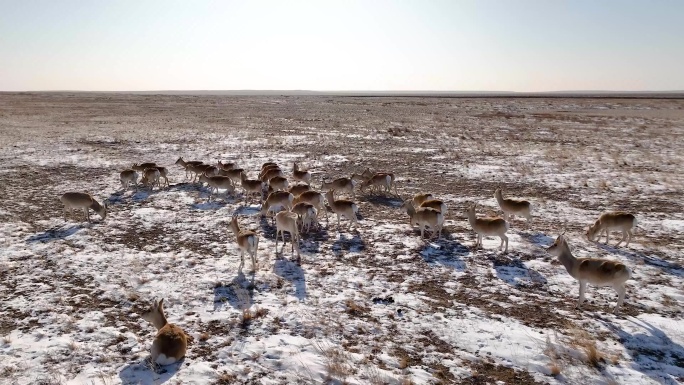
(204, 337)
(246, 318)
(583, 341)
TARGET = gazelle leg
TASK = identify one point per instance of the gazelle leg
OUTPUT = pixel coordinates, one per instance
(607, 235)
(629, 232)
(624, 237)
(621, 297)
(582, 289)
(506, 249)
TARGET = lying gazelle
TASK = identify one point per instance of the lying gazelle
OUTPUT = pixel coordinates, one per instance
(286, 221)
(297, 189)
(252, 186)
(277, 200)
(343, 208)
(616, 221)
(488, 226)
(339, 185)
(216, 182)
(170, 343)
(185, 165)
(511, 206)
(247, 241)
(234, 174)
(315, 198)
(596, 271)
(300, 175)
(424, 217)
(83, 201)
(127, 177)
(278, 183)
(306, 214)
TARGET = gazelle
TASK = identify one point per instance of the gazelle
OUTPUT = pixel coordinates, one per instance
(185, 164)
(436, 204)
(419, 198)
(267, 169)
(151, 177)
(163, 173)
(377, 181)
(235, 174)
(511, 206)
(142, 166)
(277, 200)
(616, 221)
(297, 189)
(217, 182)
(306, 213)
(247, 241)
(83, 201)
(127, 177)
(424, 217)
(251, 186)
(225, 166)
(199, 169)
(596, 271)
(367, 173)
(339, 184)
(286, 221)
(343, 208)
(278, 183)
(171, 342)
(488, 226)
(267, 164)
(300, 175)
(315, 198)
(270, 173)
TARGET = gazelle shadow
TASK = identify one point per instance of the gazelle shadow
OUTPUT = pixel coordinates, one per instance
(238, 293)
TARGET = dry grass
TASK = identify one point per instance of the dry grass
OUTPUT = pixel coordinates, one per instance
(226, 379)
(354, 308)
(246, 318)
(585, 343)
(6, 340)
(204, 337)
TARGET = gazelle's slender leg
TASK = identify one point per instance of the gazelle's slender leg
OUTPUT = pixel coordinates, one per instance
(630, 237)
(582, 289)
(621, 297)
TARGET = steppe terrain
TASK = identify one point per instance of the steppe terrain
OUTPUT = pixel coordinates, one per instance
(375, 305)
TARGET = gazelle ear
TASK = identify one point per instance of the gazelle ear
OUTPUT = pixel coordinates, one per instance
(160, 306)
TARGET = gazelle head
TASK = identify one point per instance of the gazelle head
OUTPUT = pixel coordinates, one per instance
(155, 314)
(558, 246)
(592, 232)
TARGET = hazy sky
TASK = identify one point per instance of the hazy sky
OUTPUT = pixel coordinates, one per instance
(505, 45)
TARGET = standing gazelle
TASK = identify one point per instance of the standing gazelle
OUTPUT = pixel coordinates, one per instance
(596, 271)
(488, 226)
(425, 217)
(300, 175)
(616, 220)
(247, 241)
(343, 208)
(128, 177)
(511, 206)
(83, 201)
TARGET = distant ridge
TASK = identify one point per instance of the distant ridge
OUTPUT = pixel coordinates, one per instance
(675, 94)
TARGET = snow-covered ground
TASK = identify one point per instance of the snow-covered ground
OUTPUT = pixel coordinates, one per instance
(373, 305)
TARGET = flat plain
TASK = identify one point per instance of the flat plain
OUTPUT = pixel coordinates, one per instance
(374, 305)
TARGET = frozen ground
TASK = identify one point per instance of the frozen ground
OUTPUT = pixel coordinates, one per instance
(374, 305)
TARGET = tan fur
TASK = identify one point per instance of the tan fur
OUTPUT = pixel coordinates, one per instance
(367, 173)
(277, 200)
(151, 177)
(225, 166)
(286, 221)
(377, 182)
(436, 204)
(217, 182)
(419, 198)
(271, 173)
(425, 217)
(511, 206)
(315, 198)
(306, 213)
(170, 341)
(251, 186)
(339, 185)
(268, 168)
(127, 177)
(278, 183)
(142, 166)
(267, 164)
(187, 164)
(596, 271)
(297, 189)
(247, 241)
(300, 175)
(616, 221)
(343, 208)
(199, 169)
(163, 173)
(234, 174)
(488, 226)
(83, 201)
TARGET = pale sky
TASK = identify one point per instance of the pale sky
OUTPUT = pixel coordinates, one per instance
(451, 45)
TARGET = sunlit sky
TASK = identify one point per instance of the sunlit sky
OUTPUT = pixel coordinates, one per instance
(451, 45)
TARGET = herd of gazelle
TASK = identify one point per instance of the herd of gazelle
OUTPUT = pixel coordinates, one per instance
(296, 208)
